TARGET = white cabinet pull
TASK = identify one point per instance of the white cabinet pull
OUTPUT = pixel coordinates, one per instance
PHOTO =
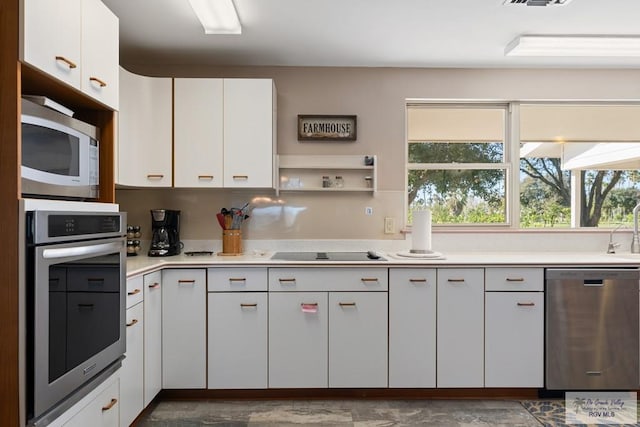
(347, 304)
(133, 292)
(100, 82)
(246, 305)
(417, 280)
(155, 285)
(69, 63)
(455, 280)
(242, 177)
(133, 322)
(526, 304)
(515, 279)
(110, 405)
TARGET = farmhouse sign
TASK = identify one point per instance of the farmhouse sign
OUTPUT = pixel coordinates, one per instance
(326, 128)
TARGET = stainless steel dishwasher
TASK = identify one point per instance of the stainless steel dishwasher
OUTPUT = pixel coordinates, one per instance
(592, 329)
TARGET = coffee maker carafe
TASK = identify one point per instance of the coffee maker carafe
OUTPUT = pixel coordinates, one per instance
(165, 229)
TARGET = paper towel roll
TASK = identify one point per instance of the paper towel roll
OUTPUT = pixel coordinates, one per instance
(421, 232)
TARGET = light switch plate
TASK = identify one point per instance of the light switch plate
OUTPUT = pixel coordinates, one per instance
(389, 225)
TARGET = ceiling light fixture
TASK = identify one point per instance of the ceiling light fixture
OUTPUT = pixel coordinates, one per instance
(574, 46)
(217, 16)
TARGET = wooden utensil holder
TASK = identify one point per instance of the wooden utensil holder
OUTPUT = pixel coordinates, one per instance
(231, 242)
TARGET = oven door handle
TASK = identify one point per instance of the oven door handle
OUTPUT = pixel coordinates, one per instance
(82, 250)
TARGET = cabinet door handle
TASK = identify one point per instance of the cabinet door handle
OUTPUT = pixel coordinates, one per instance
(85, 306)
(593, 373)
(242, 177)
(247, 305)
(417, 280)
(237, 279)
(515, 279)
(155, 285)
(209, 177)
(526, 304)
(455, 280)
(110, 404)
(369, 279)
(186, 282)
(133, 322)
(347, 304)
(133, 292)
(155, 176)
(287, 280)
(100, 82)
(69, 63)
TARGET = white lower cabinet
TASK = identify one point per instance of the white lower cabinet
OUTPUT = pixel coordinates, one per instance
(298, 339)
(184, 321)
(152, 335)
(412, 327)
(100, 408)
(132, 371)
(514, 327)
(460, 330)
(237, 344)
(358, 339)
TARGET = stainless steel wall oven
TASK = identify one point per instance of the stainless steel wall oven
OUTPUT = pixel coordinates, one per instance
(75, 306)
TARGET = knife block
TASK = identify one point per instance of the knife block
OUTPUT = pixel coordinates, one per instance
(231, 242)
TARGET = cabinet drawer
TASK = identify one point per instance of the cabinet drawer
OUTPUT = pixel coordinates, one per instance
(328, 279)
(514, 279)
(135, 287)
(221, 279)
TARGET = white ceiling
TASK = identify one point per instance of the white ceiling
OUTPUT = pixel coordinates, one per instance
(370, 33)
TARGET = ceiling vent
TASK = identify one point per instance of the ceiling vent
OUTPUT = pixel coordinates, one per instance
(538, 2)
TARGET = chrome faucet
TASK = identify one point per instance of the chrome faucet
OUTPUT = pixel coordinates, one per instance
(611, 248)
(635, 240)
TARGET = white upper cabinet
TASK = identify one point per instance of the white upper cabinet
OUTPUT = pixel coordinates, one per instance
(75, 41)
(249, 133)
(144, 131)
(51, 38)
(198, 134)
(100, 53)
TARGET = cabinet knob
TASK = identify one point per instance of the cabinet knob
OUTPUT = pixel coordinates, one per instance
(67, 61)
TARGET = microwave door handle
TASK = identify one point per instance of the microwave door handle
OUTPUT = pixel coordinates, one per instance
(82, 250)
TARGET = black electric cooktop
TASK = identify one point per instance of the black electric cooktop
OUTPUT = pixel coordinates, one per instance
(328, 256)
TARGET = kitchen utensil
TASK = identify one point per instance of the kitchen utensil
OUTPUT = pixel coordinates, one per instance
(220, 218)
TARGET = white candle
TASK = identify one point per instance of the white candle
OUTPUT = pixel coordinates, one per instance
(421, 232)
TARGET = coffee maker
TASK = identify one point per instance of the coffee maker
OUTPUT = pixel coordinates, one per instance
(165, 232)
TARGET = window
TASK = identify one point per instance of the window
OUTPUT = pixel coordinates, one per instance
(578, 164)
(457, 163)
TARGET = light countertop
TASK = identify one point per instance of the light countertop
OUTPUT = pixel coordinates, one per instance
(143, 264)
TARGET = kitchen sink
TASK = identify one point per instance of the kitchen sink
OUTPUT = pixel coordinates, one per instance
(327, 256)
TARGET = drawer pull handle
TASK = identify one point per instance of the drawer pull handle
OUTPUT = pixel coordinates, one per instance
(287, 280)
(155, 176)
(515, 279)
(209, 177)
(347, 304)
(417, 280)
(155, 285)
(237, 279)
(245, 305)
(455, 280)
(133, 322)
(110, 404)
(526, 304)
(100, 82)
(133, 292)
(70, 63)
(186, 282)
(594, 373)
(310, 307)
(86, 306)
(369, 279)
(243, 177)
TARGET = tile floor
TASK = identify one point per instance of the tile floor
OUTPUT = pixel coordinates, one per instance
(356, 413)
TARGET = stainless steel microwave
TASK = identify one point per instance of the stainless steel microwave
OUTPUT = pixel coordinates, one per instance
(60, 155)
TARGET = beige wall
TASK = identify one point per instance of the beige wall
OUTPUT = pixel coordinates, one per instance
(377, 96)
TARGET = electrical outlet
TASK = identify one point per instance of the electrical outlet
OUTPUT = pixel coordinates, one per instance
(368, 211)
(389, 225)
